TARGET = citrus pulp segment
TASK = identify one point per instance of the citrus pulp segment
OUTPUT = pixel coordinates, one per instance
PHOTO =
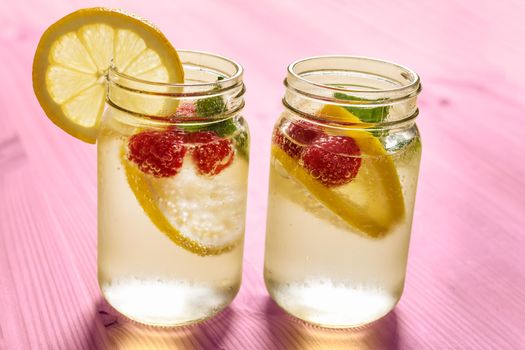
(202, 214)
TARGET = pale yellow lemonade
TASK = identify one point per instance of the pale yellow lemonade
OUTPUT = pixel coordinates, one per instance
(336, 249)
(321, 260)
(172, 160)
(172, 192)
(143, 272)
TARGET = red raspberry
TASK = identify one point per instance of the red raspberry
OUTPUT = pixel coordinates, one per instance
(333, 160)
(299, 135)
(211, 153)
(287, 145)
(186, 109)
(304, 132)
(158, 153)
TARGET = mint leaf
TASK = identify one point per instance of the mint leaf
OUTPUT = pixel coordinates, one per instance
(207, 107)
(242, 144)
(224, 129)
(366, 115)
(212, 106)
(190, 128)
(228, 127)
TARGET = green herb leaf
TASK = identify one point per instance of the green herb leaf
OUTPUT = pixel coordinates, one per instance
(229, 127)
(191, 128)
(212, 106)
(366, 115)
(224, 129)
(207, 107)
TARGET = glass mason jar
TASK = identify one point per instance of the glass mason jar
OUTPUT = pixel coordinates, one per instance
(172, 178)
(344, 167)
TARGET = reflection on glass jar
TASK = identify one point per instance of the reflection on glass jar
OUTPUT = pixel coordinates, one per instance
(172, 177)
(343, 176)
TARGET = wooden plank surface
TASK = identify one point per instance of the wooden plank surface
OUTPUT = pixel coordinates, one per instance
(465, 286)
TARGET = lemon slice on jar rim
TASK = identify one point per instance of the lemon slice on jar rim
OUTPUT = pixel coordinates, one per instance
(74, 55)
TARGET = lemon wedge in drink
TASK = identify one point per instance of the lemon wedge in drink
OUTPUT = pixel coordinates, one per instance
(73, 57)
(373, 201)
(202, 214)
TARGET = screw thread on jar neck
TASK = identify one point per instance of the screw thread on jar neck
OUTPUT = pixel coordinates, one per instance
(207, 76)
(381, 94)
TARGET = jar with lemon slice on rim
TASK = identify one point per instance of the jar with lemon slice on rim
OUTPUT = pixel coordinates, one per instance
(172, 160)
(345, 159)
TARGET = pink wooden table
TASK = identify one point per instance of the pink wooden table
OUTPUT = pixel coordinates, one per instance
(466, 278)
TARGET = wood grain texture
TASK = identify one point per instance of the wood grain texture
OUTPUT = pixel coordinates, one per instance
(465, 287)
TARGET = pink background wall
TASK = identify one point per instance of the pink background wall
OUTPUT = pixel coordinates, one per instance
(466, 278)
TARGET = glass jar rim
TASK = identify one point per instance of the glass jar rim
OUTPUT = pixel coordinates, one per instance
(297, 81)
(229, 81)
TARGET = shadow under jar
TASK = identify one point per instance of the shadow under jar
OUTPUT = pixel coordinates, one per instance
(172, 178)
(343, 176)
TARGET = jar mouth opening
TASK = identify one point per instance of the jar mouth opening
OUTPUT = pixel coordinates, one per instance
(204, 74)
(367, 80)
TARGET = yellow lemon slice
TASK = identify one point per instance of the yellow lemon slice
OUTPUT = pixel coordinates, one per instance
(202, 214)
(73, 57)
(373, 201)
